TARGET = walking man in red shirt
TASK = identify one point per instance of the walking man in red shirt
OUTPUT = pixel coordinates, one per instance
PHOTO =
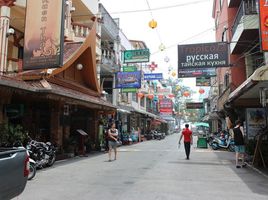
(188, 140)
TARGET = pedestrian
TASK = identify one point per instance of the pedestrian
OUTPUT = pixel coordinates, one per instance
(113, 138)
(239, 144)
(188, 140)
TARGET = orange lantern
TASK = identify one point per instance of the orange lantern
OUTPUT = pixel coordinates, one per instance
(150, 96)
(140, 95)
(186, 94)
(201, 91)
(160, 96)
(152, 24)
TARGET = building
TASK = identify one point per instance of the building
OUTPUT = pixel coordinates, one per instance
(239, 86)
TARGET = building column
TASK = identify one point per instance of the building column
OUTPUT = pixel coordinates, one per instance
(4, 24)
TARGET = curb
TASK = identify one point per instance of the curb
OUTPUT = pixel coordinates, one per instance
(257, 170)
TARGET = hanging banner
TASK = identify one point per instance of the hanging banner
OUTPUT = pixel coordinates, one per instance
(205, 55)
(44, 34)
(263, 10)
(128, 79)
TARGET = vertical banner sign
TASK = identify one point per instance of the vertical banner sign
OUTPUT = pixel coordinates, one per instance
(263, 6)
(44, 34)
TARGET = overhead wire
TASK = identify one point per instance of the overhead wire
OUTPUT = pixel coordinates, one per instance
(159, 8)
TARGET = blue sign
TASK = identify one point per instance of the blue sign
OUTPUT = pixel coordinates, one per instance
(153, 76)
(128, 79)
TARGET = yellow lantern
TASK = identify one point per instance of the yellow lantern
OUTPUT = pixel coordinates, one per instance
(173, 74)
(152, 24)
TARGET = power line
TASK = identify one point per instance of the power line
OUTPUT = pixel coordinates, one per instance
(159, 8)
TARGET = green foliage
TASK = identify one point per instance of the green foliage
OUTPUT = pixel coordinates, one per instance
(12, 133)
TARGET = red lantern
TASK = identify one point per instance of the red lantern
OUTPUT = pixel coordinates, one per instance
(186, 94)
(140, 95)
(201, 91)
(160, 96)
(150, 96)
(171, 95)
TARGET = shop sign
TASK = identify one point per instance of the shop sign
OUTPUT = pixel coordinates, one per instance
(129, 90)
(263, 15)
(202, 81)
(204, 55)
(255, 121)
(194, 105)
(153, 76)
(129, 68)
(136, 56)
(128, 79)
(197, 72)
(44, 34)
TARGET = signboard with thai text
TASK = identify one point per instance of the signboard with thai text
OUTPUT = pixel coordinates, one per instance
(153, 76)
(263, 10)
(205, 55)
(136, 56)
(43, 38)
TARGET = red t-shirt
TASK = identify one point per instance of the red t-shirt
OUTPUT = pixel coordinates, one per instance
(187, 133)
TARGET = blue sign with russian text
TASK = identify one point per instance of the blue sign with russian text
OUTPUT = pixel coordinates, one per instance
(153, 76)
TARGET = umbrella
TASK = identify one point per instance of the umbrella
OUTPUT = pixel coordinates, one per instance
(202, 124)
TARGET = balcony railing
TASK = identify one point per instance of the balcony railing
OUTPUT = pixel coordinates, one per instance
(108, 56)
(80, 30)
(247, 7)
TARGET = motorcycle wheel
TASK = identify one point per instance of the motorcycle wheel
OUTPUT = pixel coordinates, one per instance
(231, 148)
(32, 171)
(52, 160)
(214, 146)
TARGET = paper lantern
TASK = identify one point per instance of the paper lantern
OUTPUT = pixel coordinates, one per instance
(201, 91)
(173, 74)
(140, 95)
(150, 96)
(152, 24)
(160, 96)
(186, 94)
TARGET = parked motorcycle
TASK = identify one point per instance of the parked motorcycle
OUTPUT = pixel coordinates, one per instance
(32, 170)
(44, 154)
(225, 143)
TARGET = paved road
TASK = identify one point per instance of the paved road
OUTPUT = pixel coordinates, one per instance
(152, 170)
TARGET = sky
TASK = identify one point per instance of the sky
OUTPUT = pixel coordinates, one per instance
(178, 22)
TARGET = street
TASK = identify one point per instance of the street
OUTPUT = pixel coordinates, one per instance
(151, 170)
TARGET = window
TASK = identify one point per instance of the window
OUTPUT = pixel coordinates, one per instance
(220, 2)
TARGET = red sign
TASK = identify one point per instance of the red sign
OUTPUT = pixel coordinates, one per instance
(165, 106)
(263, 5)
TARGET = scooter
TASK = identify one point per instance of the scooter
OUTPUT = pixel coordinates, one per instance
(227, 143)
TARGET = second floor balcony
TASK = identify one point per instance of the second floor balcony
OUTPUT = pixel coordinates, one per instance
(245, 26)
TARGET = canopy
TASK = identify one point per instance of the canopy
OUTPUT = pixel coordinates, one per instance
(201, 124)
